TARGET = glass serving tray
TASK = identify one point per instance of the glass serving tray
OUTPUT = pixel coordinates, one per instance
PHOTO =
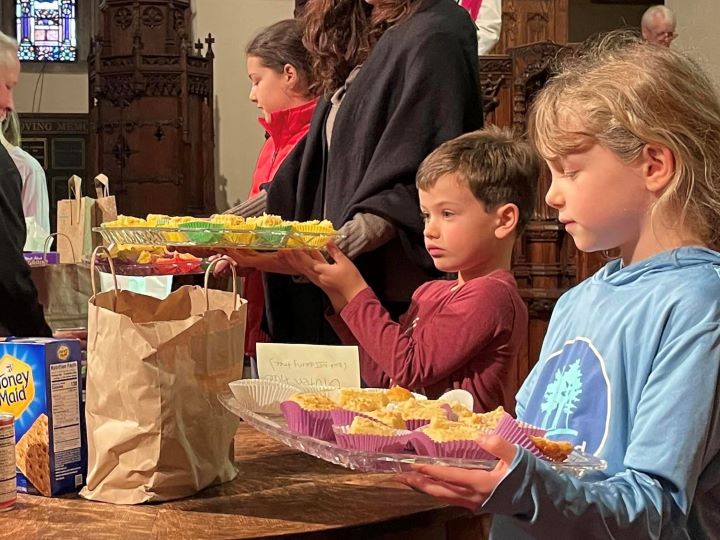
(255, 239)
(275, 427)
(149, 269)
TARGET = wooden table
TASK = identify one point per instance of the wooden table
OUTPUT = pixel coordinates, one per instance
(278, 493)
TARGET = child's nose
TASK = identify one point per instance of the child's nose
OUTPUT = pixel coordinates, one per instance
(553, 197)
(251, 96)
(430, 230)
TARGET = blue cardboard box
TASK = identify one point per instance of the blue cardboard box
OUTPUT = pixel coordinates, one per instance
(40, 385)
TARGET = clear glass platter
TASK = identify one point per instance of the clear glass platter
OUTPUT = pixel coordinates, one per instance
(212, 237)
(275, 427)
(149, 269)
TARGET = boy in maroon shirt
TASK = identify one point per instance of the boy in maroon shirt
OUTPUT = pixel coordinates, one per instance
(476, 192)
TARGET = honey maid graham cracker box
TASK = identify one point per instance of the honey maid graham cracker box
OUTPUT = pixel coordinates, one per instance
(40, 385)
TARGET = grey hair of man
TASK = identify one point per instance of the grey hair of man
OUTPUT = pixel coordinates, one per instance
(8, 48)
(653, 12)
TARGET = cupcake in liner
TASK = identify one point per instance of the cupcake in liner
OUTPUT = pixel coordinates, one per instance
(394, 443)
(262, 396)
(316, 424)
(271, 237)
(311, 234)
(509, 430)
(343, 417)
(243, 236)
(425, 446)
(416, 419)
(202, 232)
(174, 223)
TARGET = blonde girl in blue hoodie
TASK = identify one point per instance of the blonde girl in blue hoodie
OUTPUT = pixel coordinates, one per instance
(630, 368)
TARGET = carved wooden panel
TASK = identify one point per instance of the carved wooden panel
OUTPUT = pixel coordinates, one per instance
(546, 262)
(151, 98)
(530, 21)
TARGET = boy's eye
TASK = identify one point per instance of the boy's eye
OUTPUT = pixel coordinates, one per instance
(447, 213)
(425, 216)
(569, 174)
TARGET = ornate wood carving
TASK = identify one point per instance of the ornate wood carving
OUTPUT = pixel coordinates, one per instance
(546, 262)
(151, 103)
(529, 21)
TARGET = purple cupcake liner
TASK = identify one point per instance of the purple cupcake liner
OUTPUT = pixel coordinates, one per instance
(509, 430)
(416, 423)
(316, 424)
(343, 417)
(425, 446)
(530, 430)
(371, 443)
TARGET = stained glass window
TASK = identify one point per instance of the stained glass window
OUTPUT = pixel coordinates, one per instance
(46, 30)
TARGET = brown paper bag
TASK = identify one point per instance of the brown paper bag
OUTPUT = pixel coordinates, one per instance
(63, 291)
(77, 216)
(156, 430)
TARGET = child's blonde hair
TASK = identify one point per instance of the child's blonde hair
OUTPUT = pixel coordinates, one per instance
(624, 93)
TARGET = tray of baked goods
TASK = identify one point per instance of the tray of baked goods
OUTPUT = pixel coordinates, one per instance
(266, 232)
(147, 260)
(389, 430)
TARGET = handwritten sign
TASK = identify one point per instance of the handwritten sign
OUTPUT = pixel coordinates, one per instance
(309, 365)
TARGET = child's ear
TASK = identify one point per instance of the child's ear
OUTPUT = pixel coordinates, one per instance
(658, 167)
(290, 74)
(507, 216)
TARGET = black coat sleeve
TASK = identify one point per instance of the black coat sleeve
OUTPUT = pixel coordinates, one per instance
(20, 313)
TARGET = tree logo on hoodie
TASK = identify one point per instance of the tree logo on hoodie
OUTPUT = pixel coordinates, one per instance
(571, 398)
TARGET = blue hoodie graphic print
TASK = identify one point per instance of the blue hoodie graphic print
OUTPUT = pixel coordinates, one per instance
(575, 403)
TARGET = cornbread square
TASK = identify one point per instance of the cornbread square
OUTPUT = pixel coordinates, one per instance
(313, 401)
(398, 393)
(370, 400)
(365, 426)
(488, 420)
(392, 419)
(414, 409)
(443, 430)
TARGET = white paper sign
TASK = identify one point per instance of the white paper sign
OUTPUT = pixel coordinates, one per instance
(309, 365)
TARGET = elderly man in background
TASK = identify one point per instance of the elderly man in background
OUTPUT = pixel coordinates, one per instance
(20, 312)
(658, 25)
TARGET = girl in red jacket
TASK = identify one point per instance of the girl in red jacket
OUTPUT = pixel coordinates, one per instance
(279, 69)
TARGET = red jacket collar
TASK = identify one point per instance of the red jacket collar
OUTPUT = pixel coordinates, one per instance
(285, 123)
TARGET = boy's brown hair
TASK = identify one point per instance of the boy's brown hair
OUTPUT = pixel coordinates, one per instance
(497, 166)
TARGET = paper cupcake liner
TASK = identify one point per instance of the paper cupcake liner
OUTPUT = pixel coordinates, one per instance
(175, 236)
(316, 424)
(371, 443)
(262, 396)
(416, 423)
(509, 430)
(271, 236)
(201, 232)
(343, 417)
(243, 237)
(307, 241)
(425, 446)
(530, 430)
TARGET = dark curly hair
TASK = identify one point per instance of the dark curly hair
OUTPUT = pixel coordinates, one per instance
(339, 34)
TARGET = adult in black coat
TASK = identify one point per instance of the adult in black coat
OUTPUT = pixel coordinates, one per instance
(20, 312)
(408, 69)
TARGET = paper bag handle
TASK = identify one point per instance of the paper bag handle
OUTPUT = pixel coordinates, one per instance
(92, 269)
(49, 240)
(207, 279)
(75, 192)
(102, 186)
